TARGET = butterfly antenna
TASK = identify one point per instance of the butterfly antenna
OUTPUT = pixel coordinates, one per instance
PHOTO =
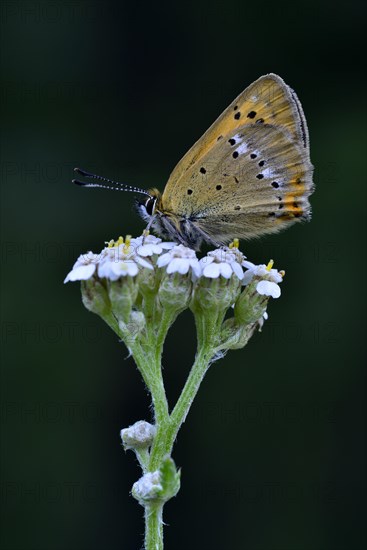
(106, 183)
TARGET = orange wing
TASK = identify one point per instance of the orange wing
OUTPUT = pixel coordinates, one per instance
(268, 100)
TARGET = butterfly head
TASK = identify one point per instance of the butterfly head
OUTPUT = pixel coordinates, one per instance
(151, 206)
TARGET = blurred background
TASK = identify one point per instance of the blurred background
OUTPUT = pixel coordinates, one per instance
(273, 450)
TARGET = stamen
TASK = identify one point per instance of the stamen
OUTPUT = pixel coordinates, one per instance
(234, 244)
(126, 248)
(270, 265)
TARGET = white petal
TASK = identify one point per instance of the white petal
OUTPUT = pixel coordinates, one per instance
(225, 270)
(275, 276)
(81, 273)
(237, 269)
(267, 288)
(207, 260)
(146, 250)
(164, 259)
(195, 266)
(86, 259)
(124, 268)
(167, 245)
(143, 263)
(211, 271)
(132, 269)
(178, 265)
(104, 269)
(183, 266)
(260, 270)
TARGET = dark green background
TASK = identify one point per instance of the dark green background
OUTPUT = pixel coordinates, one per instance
(272, 453)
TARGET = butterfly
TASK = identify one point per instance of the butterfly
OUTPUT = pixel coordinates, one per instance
(250, 173)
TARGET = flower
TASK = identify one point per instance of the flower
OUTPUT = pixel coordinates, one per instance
(84, 267)
(267, 286)
(221, 262)
(149, 245)
(120, 261)
(180, 259)
(117, 259)
(261, 270)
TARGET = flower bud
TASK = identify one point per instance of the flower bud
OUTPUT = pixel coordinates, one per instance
(215, 294)
(175, 291)
(147, 488)
(122, 294)
(95, 297)
(138, 436)
(250, 305)
(161, 485)
(135, 325)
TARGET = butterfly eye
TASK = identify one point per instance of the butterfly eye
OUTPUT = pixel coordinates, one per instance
(149, 205)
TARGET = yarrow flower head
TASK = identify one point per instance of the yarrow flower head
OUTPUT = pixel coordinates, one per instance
(133, 277)
(222, 263)
(118, 259)
(121, 261)
(180, 259)
(268, 278)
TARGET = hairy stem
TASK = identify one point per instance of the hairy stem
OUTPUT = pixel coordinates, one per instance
(154, 527)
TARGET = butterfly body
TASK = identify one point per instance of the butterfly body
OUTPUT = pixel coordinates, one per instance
(250, 173)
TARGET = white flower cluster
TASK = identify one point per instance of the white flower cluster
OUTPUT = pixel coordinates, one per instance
(126, 258)
(118, 259)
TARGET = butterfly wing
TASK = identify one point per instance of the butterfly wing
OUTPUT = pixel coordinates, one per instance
(250, 173)
(258, 182)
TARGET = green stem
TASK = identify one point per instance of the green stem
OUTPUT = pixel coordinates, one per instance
(143, 457)
(165, 437)
(154, 527)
